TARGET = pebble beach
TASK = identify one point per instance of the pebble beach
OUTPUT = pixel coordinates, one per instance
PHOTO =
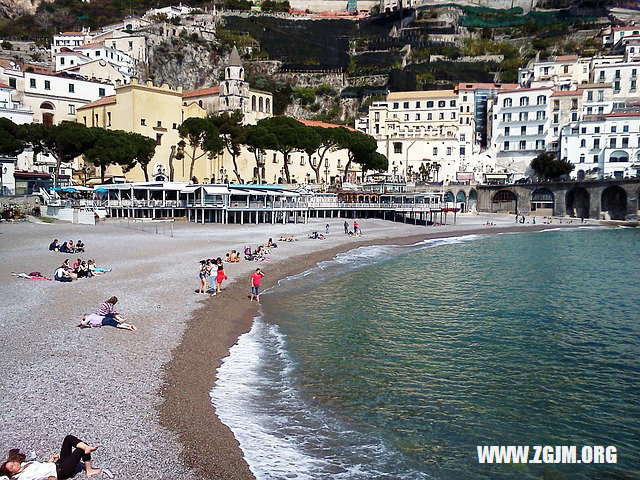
(144, 396)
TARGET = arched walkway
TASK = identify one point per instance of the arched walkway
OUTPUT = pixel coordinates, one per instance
(614, 202)
(504, 201)
(473, 200)
(578, 203)
(542, 202)
(461, 201)
(449, 197)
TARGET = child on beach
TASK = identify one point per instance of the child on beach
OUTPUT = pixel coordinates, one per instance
(58, 467)
(256, 277)
(202, 275)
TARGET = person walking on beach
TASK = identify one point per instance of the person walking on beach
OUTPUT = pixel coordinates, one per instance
(256, 277)
(346, 227)
(64, 466)
(356, 227)
(220, 276)
(202, 275)
(326, 229)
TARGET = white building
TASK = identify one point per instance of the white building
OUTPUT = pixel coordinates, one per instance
(422, 131)
(169, 12)
(521, 126)
(69, 40)
(564, 72)
(14, 111)
(612, 37)
(620, 71)
(603, 146)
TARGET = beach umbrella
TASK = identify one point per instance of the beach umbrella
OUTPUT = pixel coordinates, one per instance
(101, 190)
(70, 190)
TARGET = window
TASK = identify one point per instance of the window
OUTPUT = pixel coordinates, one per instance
(435, 150)
(583, 130)
(613, 129)
(417, 116)
(524, 116)
(396, 105)
(448, 150)
(590, 96)
(589, 110)
(462, 137)
(582, 158)
(625, 128)
(406, 117)
(267, 105)
(441, 116)
(523, 130)
(442, 104)
(84, 120)
(596, 158)
(634, 72)
(61, 60)
(574, 116)
(555, 118)
(524, 101)
(95, 120)
(601, 95)
(429, 116)
(600, 110)
(453, 115)
(506, 146)
(405, 105)
(542, 100)
(617, 74)
(101, 92)
(72, 109)
(632, 86)
(596, 129)
(158, 139)
(616, 86)
(429, 104)
(47, 85)
(556, 105)
(108, 119)
(612, 142)
(397, 147)
(574, 104)
(452, 103)
(506, 117)
(540, 129)
(417, 104)
(540, 115)
(301, 160)
(539, 144)
(507, 102)
(523, 145)
(625, 142)
(72, 88)
(143, 122)
(376, 116)
(583, 143)
(596, 143)
(12, 82)
(463, 150)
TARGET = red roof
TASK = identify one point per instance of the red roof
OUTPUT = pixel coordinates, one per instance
(518, 90)
(18, 173)
(72, 33)
(90, 45)
(623, 114)
(567, 93)
(632, 27)
(4, 85)
(475, 86)
(202, 92)
(566, 58)
(110, 100)
(317, 123)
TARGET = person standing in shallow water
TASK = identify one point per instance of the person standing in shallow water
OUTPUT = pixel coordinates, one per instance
(256, 277)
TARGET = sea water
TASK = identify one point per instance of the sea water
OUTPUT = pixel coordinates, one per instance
(397, 362)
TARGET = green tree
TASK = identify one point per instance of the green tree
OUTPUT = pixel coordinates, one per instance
(11, 143)
(360, 146)
(110, 147)
(232, 133)
(63, 142)
(310, 141)
(287, 132)
(330, 141)
(258, 139)
(198, 133)
(144, 149)
(548, 166)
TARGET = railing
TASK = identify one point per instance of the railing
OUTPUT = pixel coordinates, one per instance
(377, 206)
(146, 203)
(76, 203)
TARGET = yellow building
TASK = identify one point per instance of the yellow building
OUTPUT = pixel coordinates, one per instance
(155, 112)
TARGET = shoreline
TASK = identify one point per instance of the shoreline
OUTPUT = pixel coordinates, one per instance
(208, 446)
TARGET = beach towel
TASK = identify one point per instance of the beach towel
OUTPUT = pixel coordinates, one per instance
(30, 276)
(101, 270)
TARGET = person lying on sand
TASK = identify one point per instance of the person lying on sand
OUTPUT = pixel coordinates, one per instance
(58, 467)
(97, 321)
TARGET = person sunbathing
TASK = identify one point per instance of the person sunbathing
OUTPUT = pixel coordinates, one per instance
(58, 467)
(95, 270)
(234, 257)
(95, 320)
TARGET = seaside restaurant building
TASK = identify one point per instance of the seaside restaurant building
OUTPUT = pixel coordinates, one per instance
(230, 203)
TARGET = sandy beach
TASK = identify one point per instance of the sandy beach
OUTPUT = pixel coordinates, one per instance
(144, 396)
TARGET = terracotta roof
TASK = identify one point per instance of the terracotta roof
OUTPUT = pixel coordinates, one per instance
(476, 86)
(518, 90)
(19, 173)
(39, 69)
(567, 93)
(110, 100)
(201, 92)
(632, 27)
(4, 85)
(566, 58)
(90, 45)
(421, 94)
(72, 33)
(317, 123)
(623, 114)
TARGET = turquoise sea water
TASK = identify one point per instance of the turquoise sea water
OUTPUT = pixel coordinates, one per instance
(396, 362)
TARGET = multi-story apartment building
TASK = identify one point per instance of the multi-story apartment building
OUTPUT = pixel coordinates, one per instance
(521, 125)
(9, 108)
(563, 72)
(603, 146)
(621, 71)
(473, 98)
(419, 128)
(612, 37)
(69, 40)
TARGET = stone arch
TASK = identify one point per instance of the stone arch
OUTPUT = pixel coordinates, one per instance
(473, 200)
(260, 104)
(580, 175)
(449, 197)
(613, 202)
(461, 200)
(619, 156)
(267, 104)
(577, 202)
(542, 202)
(253, 103)
(504, 201)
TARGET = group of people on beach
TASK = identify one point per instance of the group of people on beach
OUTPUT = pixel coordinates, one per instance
(66, 247)
(208, 268)
(57, 467)
(68, 272)
(107, 316)
(356, 232)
